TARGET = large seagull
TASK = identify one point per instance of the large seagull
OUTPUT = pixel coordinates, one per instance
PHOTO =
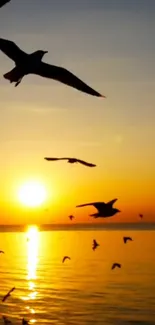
(104, 209)
(32, 64)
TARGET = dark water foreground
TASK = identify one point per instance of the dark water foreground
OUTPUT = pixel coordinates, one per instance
(83, 290)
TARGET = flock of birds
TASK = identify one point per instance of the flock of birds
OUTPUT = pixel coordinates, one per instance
(32, 64)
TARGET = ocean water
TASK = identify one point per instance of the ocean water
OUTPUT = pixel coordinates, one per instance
(83, 290)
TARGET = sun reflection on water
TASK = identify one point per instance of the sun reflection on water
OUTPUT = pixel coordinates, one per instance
(32, 261)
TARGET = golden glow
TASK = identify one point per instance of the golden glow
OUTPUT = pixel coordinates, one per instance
(32, 242)
(32, 194)
(32, 255)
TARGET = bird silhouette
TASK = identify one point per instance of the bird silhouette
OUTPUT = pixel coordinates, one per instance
(105, 210)
(71, 161)
(1, 252)
(95, 244)
(65, 258)
(71, 217)
(141, 216)
(32, 64)
(126, 239)
(8, 294)
(6, 320)
(116, 265)
(3, 2)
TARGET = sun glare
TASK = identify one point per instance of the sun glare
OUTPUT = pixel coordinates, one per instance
(32, 194)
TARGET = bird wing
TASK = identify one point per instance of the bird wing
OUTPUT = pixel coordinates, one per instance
(11, 290)
(85, 163)
(115, 265)
(65, 257)
(51, 159)
(129, 238)
(111, 202)
(5, 297)
(97, 205)
(64, 76)
(3, 2)
(12, 50)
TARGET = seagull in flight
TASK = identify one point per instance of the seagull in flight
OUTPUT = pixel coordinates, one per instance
(71, 161)
(2, 252)
(126, 239)
(3, 2)
(71, 217)
(32, 64)
(65, 258)
(141, 216)
(95, 244)
(105, 210)
(116, 265)
(8, 294)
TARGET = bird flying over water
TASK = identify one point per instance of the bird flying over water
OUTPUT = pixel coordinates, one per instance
(104, 209)
(116, 265)
(126, 239)
(3, 2)
(1, 252)
(71, 217)
(141, 216)
(95, 244)
(8, 294)
(32, 64)
(71, 161)
(65, 258)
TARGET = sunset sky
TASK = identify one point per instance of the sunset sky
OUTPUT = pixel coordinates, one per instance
(110, 45)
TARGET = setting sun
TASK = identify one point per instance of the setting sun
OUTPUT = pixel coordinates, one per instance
(32, 194)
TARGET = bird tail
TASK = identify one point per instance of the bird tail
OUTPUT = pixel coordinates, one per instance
(13, 76)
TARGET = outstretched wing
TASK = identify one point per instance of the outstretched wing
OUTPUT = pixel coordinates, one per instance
(11, 290)
(54, 159)
(112, 202)
(3, 2)
(64, 76)
(97, 205)
(12, 50)
(85, 163)
(51, 159)
(65, 257)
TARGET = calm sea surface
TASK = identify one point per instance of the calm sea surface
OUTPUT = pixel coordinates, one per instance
(83, 290)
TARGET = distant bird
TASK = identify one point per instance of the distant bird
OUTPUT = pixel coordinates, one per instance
(25, 322)
(126, 239)
(71, 217)
(115, 265)
(6, 320)
(3, 2)
(8, 294)
(104, 209)
(65, 258)
(2, 252)
(71, 161)
(95, 245)
(141, 216)
(32, 64)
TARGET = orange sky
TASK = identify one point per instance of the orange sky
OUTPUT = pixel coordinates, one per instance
(111, 48)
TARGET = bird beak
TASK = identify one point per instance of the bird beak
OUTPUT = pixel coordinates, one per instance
(45, 52)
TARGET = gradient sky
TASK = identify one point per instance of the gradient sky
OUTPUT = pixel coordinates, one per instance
(109, 44)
